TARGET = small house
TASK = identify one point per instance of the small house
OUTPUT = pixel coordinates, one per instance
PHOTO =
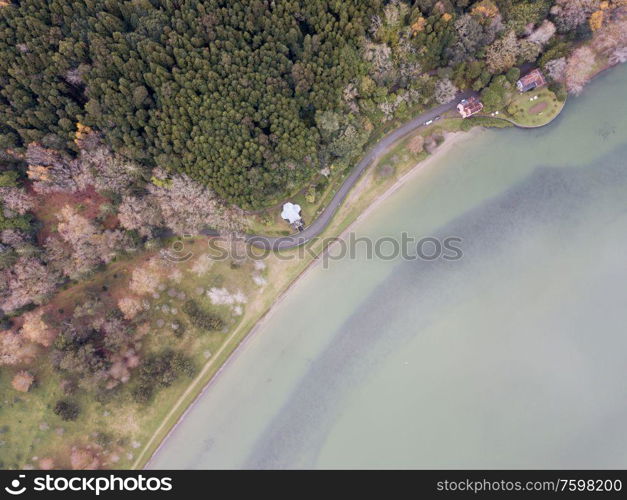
(291, 213)
(469, 107)
(531, 80)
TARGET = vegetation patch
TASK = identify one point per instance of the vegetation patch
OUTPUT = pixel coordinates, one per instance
(534, 108)
(484, 121)
(160, 371)
(67, 410)
(201, 319)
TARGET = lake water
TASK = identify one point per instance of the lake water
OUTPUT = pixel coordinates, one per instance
(513, 356)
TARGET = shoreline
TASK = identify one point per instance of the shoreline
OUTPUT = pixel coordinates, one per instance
(451, 140)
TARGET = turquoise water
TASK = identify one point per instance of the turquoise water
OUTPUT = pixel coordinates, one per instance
(513, 356)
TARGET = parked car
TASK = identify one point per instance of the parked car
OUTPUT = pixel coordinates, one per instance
(428, 122)
(437, 118)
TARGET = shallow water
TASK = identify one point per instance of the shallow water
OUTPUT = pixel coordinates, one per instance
(513, 356)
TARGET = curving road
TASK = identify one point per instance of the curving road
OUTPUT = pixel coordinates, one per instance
(382, 147)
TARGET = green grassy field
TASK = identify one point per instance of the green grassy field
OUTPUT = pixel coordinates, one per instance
(534, 108)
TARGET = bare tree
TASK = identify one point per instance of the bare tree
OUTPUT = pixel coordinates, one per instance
(84, 458)
(36, 329)
(51, 171)
(579, 69)
(188, 207)
(556, 69)
(445, 91)
(502, 54)
(22, 381)
(68, 177)
(570, 14)
(543, 33)
(15, 349)
(141, 214)
(109, 172)
(16, 200)
(416, 144)
(145, 279)
(28, 281)
(380, 56)
(375, 26)
(89, 246)
(130, 307)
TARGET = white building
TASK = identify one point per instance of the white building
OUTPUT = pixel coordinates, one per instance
(291, 213)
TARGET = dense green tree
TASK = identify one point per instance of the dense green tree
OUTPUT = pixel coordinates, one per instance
(223, 91)
(497, 94)
(241, 94)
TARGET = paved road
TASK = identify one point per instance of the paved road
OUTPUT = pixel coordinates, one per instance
(382, 147)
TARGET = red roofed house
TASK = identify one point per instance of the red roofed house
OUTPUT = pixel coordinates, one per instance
(531, 80)
(469, 107)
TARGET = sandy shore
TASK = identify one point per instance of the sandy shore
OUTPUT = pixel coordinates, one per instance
(452, 139)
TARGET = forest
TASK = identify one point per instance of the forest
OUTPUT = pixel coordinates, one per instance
(119, 119)
(122, 121)
(244, 96)
(225, 92)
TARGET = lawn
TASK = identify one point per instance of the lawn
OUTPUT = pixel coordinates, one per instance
(534, 108)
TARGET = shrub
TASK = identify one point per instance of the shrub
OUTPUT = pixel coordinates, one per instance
(143, 393)
(9, 179)
(512, 75)
(321, 185)
(22, 381)
(158, 371)
(202, 319)
(416, 144)
(67, 410)
(310, 196)
(559, 90)
(178, 328)
(5, 323)
(484, 121)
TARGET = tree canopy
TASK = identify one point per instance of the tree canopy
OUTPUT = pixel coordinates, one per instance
(224, 91)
